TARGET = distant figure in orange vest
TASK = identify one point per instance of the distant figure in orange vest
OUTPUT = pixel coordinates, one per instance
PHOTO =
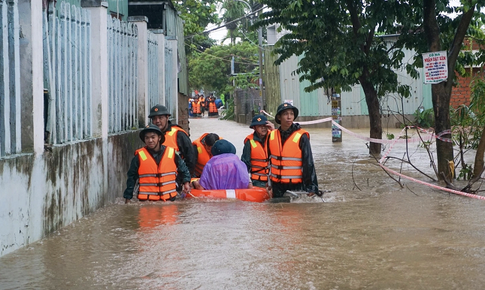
(202, 104)
(156, 167)
(196, 107)
(290, 155)
(213, 112)
(202, 148)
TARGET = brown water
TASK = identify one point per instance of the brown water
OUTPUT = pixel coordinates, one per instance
(367, 233)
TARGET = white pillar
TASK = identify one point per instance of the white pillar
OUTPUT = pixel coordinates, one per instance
(161, 64)
(37, 76)
(144, 106)
(99, 65)
(28, 106)
(172, 77)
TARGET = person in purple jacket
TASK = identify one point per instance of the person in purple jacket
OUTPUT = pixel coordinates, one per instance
(224, 170)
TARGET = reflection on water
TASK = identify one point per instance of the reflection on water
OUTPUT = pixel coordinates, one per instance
(370, 233)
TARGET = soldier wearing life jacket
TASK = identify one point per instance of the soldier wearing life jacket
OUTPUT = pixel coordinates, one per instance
(255, 154)
(175, 136)
(290, 155)
(202, 103)
(156, 168)
(212, 107)
(196, 107)
(202, 148)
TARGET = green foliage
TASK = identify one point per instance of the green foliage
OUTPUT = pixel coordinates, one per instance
(338, 44)
(229, 111)
(468, 122)
(424, 118)
(244, 10)
(197, 15)
(466, 172)
(211, 70)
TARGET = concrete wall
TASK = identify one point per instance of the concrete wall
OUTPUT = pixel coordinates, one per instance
(45, 187)
(41, 193)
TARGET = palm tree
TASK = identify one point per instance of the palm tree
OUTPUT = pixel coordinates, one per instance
(236, 9)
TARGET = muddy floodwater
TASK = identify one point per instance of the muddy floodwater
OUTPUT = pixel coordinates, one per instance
(366, 233)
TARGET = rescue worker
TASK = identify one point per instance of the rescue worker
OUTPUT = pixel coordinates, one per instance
(156, 167)
(212, 107)
(202, 104)
(224, 170)
(174, 136)
(202, 148)
(255, 154)
(196, 107)
(290, 155)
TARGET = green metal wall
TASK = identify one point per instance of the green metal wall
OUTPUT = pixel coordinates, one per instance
(115, 7)
(118, 7)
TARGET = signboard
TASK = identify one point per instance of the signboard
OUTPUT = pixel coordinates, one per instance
(435, 67)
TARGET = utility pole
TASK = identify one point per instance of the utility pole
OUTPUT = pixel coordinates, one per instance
(260, 52)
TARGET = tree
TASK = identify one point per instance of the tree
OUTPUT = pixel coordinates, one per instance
(340, 48)
(239, 15)
(197, 15)
(426, 26)
(338, 42)
(233, 11)
(211, 70)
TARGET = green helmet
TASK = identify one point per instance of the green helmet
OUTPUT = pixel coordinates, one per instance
(283, 107)
(158, 110)
(149, 128)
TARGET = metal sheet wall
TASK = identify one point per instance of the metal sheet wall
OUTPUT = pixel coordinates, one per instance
(316, 103)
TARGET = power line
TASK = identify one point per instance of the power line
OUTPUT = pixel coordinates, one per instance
(226, 24)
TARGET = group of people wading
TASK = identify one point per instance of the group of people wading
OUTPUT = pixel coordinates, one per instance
(199, 104)
(170, 164)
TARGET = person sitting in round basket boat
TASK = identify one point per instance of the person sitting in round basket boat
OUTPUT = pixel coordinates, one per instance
(224, 170)
(156, 167)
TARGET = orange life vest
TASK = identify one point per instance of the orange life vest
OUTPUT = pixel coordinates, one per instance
(202, 101)
(212, 107)
(195, 107)
(157, 182)
(286, 160)
(259, 159)
(171, 138)
(202, 155)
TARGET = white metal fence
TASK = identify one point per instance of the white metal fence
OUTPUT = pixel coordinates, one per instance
(153, 81)
(123, 82)
(74, 105)
(10, 137)
(67, 71)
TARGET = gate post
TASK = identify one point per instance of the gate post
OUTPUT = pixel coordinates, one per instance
(143, 100)
(99, 65)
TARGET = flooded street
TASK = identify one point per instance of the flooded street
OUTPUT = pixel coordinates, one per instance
(366, 233)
